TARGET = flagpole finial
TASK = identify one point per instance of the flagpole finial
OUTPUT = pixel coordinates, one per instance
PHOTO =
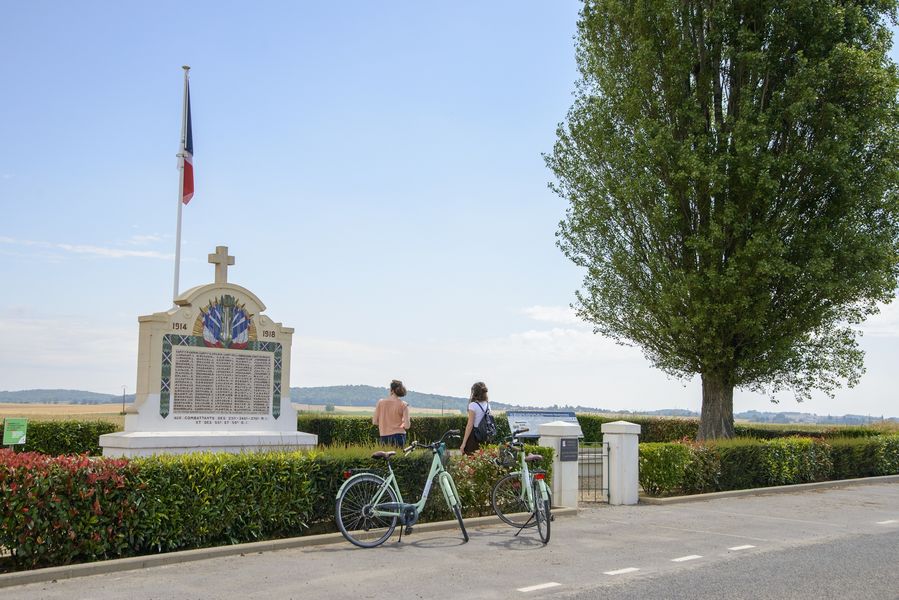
(186, 67)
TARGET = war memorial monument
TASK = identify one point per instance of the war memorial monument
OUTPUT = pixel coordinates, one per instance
(213, 374)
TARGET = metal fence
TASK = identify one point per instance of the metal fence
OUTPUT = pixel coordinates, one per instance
(593, 471)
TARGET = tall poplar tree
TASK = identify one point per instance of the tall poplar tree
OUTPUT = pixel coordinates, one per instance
(731, 173)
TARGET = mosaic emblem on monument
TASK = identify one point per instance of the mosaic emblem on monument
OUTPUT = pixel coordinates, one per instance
(224, 323)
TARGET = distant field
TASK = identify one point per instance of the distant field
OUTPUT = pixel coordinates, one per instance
(111, 412)
(57, 412)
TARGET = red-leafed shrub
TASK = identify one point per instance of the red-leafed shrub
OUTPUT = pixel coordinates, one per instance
(63, 509)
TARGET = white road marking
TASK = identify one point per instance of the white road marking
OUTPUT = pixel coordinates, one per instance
(541, 586)
(622, 571)
(746, 547)
(686, 558)
(891, 521)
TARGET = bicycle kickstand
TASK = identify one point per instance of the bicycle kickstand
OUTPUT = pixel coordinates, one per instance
(526, 523)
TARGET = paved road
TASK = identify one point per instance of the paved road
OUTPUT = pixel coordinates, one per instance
(835, 543)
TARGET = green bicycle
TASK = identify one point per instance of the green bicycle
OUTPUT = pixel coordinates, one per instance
(369, 506)
(521, 498)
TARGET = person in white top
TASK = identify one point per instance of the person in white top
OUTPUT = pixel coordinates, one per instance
(477, 408)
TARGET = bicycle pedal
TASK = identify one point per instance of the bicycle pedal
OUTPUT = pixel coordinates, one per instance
(552, 518)
(408, 529)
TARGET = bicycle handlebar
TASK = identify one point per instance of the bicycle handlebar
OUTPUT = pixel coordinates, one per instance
(414, 445)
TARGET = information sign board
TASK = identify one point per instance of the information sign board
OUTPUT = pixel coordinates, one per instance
(533, 419)
(14, 429)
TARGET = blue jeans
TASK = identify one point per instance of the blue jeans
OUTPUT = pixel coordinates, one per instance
(397, 439)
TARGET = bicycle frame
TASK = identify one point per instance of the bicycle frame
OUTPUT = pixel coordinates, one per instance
(390, 509)
(527, 491)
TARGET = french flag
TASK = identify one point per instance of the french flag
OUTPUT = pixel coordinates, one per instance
(187, 155)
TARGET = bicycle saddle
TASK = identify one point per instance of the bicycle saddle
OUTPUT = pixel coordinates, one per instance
(533, 458)
(382, 454)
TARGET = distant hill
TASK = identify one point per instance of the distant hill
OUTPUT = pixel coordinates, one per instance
(367, 395)
(61, 397)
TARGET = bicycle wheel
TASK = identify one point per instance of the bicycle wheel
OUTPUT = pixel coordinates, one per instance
(510, 502)
(541, 510)
(354, 512)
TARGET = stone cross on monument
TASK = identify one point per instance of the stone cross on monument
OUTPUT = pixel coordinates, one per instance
(221, 260)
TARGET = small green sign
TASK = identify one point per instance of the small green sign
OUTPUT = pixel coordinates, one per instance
(14, 431)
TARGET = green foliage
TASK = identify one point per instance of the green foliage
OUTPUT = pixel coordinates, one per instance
(731, 173)
(662, 466)
(329, 408)
(783, 461)
(652, 429)
(65, 437)
(198, 500)
(703, 472)
(475, 475)
(865, 457)
(339, 430)
(797, 460)
(676, 468)
(770, 431)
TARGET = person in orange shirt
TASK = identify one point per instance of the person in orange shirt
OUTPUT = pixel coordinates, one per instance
(392, 416)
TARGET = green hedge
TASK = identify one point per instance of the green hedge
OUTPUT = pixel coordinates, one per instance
(353, 431)
(679, 468)
(64, 509)
(82, 437)
(662, 466)
(65, 437)
(339, 430)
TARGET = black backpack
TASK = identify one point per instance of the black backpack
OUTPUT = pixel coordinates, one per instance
(486, 429)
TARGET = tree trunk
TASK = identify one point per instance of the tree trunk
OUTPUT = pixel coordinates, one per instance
(717, 420)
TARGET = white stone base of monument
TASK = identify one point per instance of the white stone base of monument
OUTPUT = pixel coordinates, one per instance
(148, 443)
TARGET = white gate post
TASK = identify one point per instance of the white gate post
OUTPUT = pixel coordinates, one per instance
(565, 472)
(624, 456)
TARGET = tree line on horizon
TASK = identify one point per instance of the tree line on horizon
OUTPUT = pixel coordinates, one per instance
(366, 395)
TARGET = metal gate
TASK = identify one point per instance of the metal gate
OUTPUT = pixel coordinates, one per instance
(593, 471)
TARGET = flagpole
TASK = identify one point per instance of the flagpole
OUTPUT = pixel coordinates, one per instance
(180, 184)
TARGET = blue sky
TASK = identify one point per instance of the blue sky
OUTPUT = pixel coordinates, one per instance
(374, 167)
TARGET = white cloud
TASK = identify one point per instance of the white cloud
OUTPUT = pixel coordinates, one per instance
(563, 315)
(556, 345)
(112, 252)
(88, 250)
(140, 240)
